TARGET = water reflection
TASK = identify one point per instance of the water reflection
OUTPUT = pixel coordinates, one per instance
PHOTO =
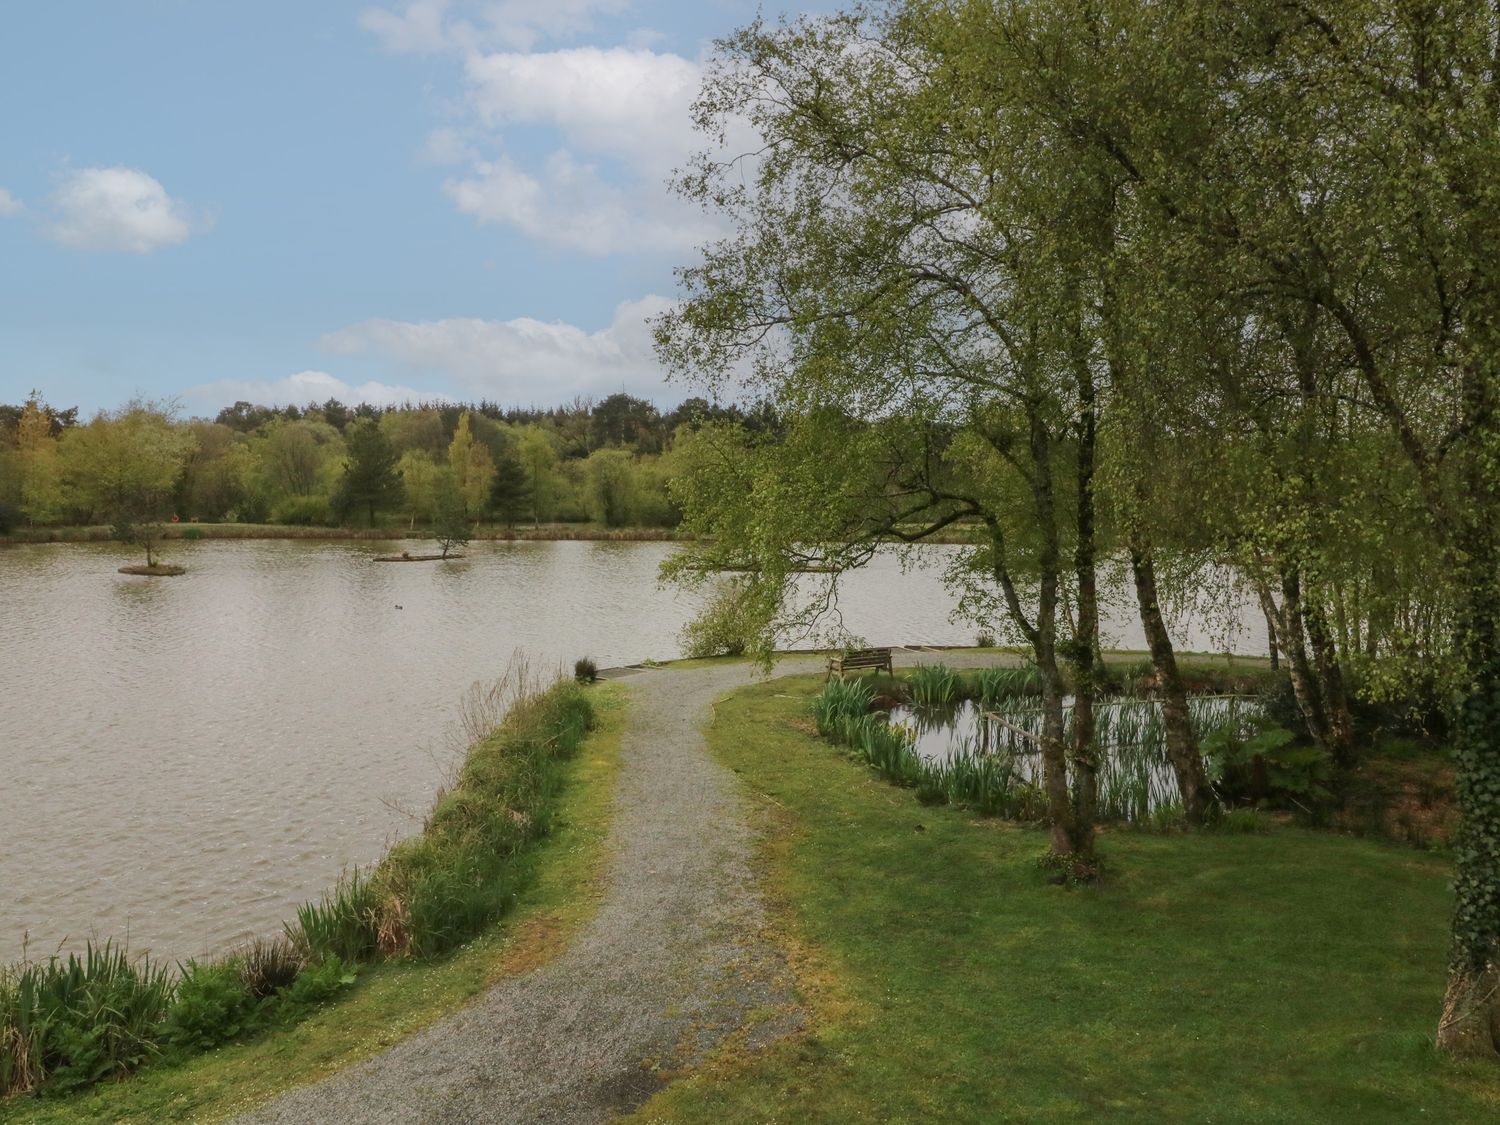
(1133, 774)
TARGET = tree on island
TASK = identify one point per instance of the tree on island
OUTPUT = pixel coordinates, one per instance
(450, 520)
(371, 479)
(124, 466)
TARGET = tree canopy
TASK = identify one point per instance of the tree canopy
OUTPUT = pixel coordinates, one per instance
(1187, 288)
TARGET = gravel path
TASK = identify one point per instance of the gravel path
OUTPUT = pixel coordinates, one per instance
(671, 964)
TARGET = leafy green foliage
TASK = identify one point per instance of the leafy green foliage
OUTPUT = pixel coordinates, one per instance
(212, 1005)
(991, 685)
(724, 627)
(1269, 764)
(321, 982)
(450, 520)
(436, 890)
(302, 511)
(341, 924)
(510, 493)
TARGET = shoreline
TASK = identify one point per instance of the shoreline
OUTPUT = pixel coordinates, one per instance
(546, 533)
(197, 532)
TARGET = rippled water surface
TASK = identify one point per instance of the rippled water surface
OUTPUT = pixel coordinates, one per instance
(186, 759)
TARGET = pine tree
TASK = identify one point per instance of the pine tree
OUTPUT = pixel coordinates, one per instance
(510, 494)
(371, 479)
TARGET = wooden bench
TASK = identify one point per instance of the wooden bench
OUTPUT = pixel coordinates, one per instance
(858, 658)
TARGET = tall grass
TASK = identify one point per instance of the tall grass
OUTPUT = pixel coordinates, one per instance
(840, 700)
(341, 924)
(992, 685)
(932, 684)
(990, 784)
(69, 1023)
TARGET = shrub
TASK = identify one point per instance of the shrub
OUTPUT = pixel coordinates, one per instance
(984, 639)
(1278, 702)
(585, 671)
(1237, 821)
(320, 982)
(212, 1006)
(303, 511)
(725, 625)
(1268, 764)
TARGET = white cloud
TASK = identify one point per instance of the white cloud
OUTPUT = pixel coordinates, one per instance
(624, 117)
(429, 26)
(10, 206)
(417, 27)
(569, 204)
(621, 118)
(302, 388)
(631, 104)
(522, 360)
(450, 145)
(118, 209)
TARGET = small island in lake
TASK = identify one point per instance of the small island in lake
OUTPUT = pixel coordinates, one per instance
(407, 556)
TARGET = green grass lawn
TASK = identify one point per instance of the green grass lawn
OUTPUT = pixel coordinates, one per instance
(393, 1000)
(1283, 976)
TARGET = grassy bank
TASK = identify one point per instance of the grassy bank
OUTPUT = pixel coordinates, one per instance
(548, 888)
(1281, 976)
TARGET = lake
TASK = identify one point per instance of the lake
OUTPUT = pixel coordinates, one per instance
(187, 759)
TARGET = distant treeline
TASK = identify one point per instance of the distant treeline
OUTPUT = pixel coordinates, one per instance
(324, 464)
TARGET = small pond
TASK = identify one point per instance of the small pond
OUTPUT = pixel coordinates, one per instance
(1134, 777)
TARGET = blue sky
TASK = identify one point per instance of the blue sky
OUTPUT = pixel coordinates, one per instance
(286, 200)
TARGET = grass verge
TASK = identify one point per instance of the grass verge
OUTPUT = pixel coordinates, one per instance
(563, 878)
(1282, 976)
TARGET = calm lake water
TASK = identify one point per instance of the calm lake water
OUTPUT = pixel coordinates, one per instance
(185, 760)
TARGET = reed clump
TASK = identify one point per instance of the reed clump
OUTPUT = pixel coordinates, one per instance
(993, 685)
(71, 1022)
(841, 700)
(932, 685)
